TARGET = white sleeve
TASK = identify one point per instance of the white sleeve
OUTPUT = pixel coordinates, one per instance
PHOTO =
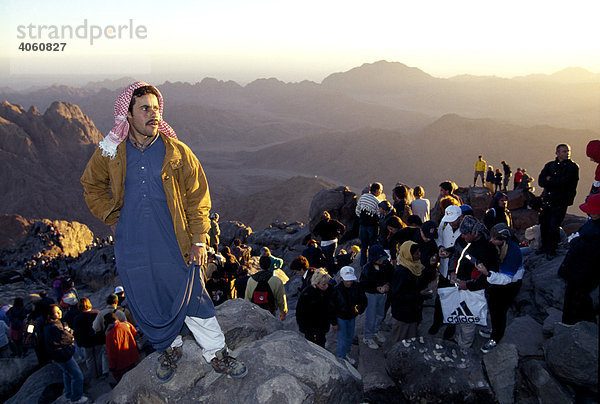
(496, 278)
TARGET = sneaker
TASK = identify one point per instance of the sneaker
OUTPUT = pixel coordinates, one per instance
(370, 343)
(168, 363)
(223, 363)
(380, 337)
(488, 346)
(350, 360)
(485, 333)
(82, 399)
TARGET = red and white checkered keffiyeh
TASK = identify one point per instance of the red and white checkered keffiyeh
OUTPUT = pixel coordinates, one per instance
(120, 130)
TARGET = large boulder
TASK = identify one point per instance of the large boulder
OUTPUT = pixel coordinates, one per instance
(243, 322)
(435, 371)
(480, 199)
(232, 230)
(96, 267)
(548, 287)
(283, 367)
(340, 202)
(500, 366)
(279, 237)
(526, 334)
(516, 199)
(572, 354)
(524, 218)
(14, 371)
(43, 386)
(545, 387)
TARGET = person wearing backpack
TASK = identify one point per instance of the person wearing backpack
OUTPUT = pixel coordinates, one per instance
(266, 290)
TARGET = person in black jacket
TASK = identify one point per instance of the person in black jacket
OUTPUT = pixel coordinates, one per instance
(87, 339)
(559, 179)
(409, 290)
(499, 212)
(580, 267)
(375, 280)
(477, 250)
(329, 231)
(314, 254)
(60, 345)
(347, 301)
(311, 311)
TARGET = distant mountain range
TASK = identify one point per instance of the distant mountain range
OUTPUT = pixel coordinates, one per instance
(269, 146)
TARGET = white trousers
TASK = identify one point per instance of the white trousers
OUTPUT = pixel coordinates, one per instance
(207, 334)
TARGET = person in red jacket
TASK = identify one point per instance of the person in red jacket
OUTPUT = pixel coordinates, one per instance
(121, 347)
(593, 152)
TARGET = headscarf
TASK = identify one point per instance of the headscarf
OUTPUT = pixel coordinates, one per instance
(405, 259)
(120, 130)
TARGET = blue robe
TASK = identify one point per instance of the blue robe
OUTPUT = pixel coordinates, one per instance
(161, 289)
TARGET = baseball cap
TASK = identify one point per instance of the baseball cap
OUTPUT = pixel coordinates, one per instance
(347, 273)
(452, 213)
(119, 289)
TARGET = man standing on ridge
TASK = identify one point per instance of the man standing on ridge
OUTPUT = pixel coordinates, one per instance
(559, 179)
(152, 187)
(480, 167)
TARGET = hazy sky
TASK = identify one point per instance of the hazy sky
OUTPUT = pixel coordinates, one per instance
(293, 41)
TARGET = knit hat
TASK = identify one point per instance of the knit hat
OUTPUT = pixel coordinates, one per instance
(385, 205)
(466, 210)
(470, 225)
(120, 130)
(501, 231)
(377, 253)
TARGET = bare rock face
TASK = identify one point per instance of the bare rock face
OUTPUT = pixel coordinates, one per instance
(340, 202)
(43, 386)
(243, 322)
(282, 368)
(96, 268)
(572, 354)
(12, 229)
(524, 218)
(501, 365)
(479, 198)
(516, 199)
(415, 364)
(543, 384)
(14, 371)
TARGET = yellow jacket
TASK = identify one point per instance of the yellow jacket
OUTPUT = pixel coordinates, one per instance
(184, 183)
(480, 165)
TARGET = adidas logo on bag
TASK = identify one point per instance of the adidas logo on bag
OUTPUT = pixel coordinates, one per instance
(462, 315)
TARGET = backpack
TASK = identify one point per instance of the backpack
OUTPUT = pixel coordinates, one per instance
(263, 295)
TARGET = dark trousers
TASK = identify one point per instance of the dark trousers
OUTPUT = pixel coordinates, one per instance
(329, 252)
(551, 218)
(368, 236)
(499, 298)
(316, 337)
(578, 306)
(438, 315)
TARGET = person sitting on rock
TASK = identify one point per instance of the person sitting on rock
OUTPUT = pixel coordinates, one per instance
(499, 212)
(348, 300)
(504, 284)
(266, 290)
(409, 289)
(375, 280)
(311, 311)
(301, 266)
(580, 267)
(121, 347)
(276, 264)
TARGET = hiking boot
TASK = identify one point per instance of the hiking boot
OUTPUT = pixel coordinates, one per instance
(488, 346)
(380, 337)
(449, 331)
(223, 363)
(434, 329)
(485, 333)
(168, 363)
(370, 343)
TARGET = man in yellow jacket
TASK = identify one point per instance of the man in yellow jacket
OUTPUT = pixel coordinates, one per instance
(151, 189)
(480, 167)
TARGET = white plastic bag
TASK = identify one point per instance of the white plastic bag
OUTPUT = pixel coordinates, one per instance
(463, 306)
